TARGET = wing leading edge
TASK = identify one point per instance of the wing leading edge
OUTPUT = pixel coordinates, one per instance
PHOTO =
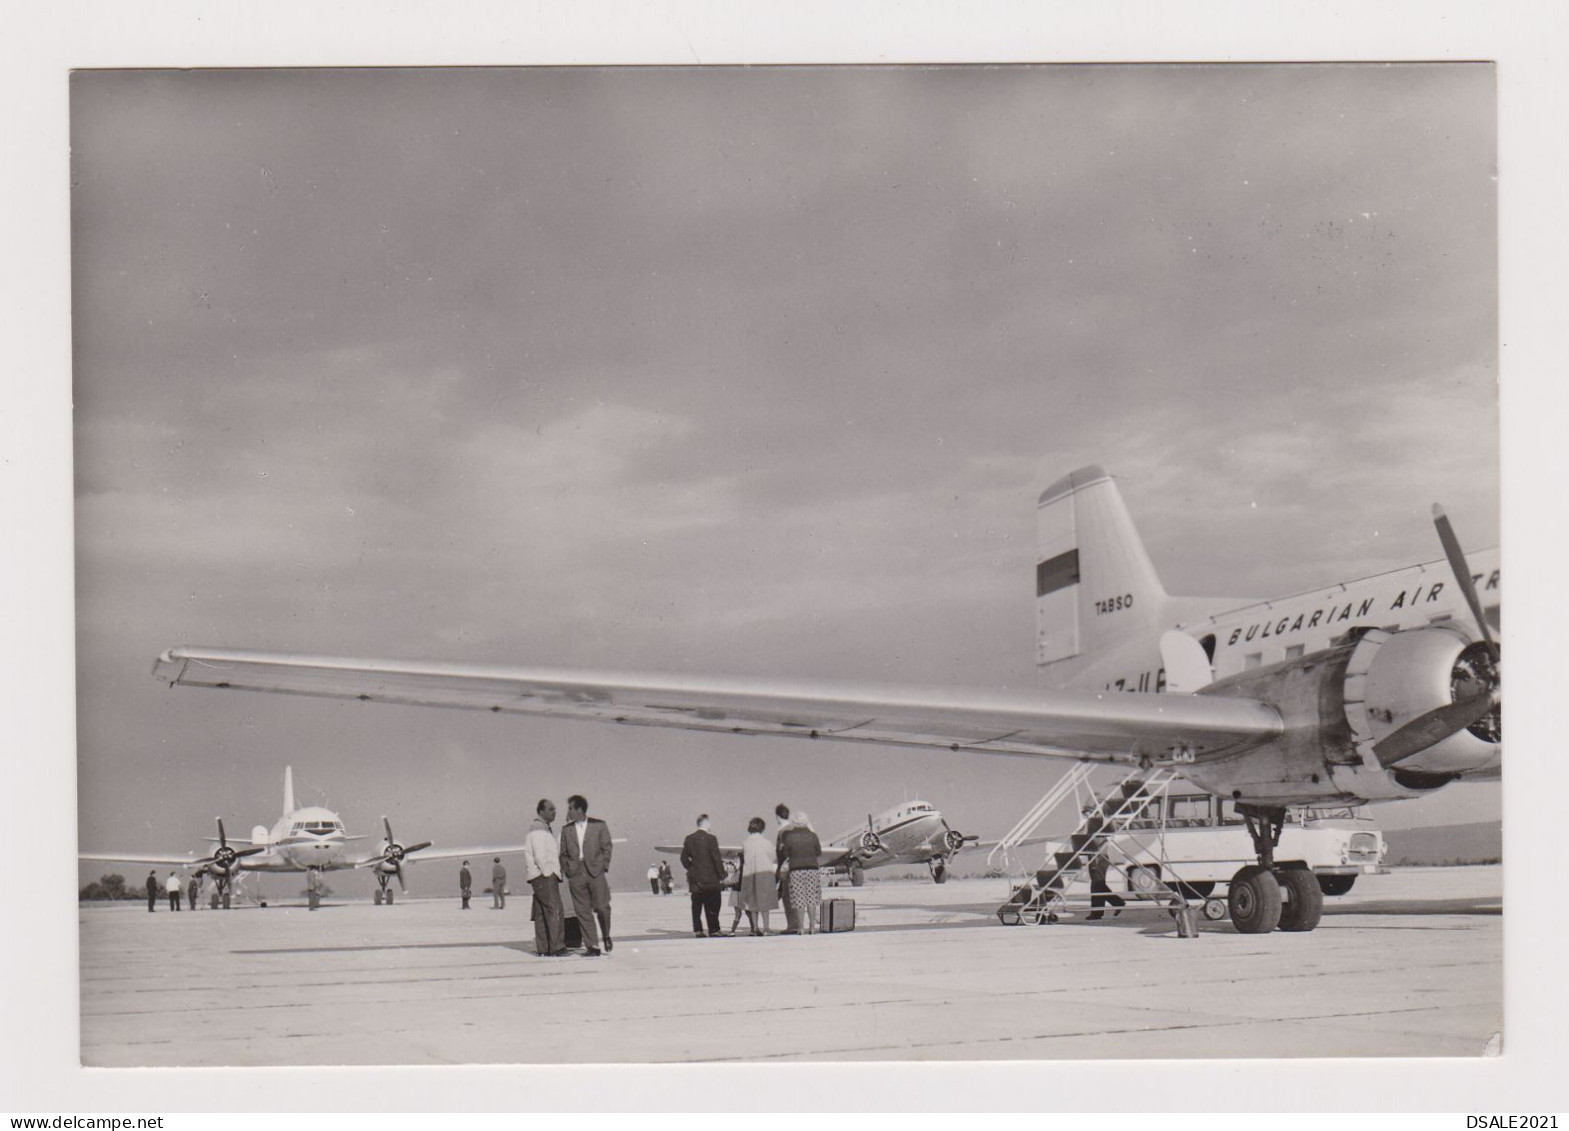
(1094, 726)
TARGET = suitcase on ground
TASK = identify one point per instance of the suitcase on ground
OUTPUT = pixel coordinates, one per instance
(574, 932)
(838, 914)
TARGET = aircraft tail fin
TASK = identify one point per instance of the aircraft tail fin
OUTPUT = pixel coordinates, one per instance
(288, 791)
(1094, 582)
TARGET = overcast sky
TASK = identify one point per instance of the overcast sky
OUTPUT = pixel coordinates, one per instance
(730, 370)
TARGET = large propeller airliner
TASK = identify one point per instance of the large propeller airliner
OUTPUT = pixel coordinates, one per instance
(1376, 689)
(309, 839)
(913, 832)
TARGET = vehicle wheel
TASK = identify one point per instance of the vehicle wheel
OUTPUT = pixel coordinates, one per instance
(1214, 909)
(1144, 879)
(1335, 885)
(857, 877)
(940, 874)
(1199, 889)
(1254, 901)
(389, 897)
(376, 897)
(1304, 902)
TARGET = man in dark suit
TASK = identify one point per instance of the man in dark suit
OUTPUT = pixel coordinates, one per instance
(585, 858)
(705, 877)
(465, 884)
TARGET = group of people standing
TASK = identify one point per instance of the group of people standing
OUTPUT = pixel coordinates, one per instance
(581, 857)
(173, 887)
(660, 879)
(784, 868)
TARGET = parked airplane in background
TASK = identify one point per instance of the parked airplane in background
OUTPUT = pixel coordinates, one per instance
(1382, 688)
(911, 833)
(309, 839)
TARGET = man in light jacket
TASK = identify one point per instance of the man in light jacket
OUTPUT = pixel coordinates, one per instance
(585, 859)
(542, 869)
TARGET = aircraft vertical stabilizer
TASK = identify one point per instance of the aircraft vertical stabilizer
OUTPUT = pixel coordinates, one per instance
(1094, 582)
(288, 791)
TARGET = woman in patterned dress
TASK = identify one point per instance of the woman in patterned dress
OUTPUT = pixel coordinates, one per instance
(799, 850)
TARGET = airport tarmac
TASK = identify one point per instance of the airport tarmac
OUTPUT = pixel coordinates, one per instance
(1408, 964)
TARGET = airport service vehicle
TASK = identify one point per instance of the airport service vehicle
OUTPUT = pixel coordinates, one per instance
(913, 832)
(1373, 689)
(308, 840)
(1202, 841)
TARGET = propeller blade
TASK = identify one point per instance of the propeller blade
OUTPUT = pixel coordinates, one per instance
(1431, 728)
(399, 874)
(386, 824)
(252, 851)
(1462, 571)
(223, 841)
(417, 847)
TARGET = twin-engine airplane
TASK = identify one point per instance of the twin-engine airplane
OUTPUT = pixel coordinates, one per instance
(911, 833)
(311, 839)
(1381, 688)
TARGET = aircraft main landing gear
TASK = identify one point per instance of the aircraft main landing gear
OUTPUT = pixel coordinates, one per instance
(939, 870)
(382, 894)
(1264, 897)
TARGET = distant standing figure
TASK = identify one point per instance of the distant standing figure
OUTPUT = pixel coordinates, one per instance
(542, 869)
(466, 884)
(173, 885)
(585, 861)
(705, 877)
(800, 849)
(653, 878)
(196, 890)
(759, 884)
(792, 923)
(152, 890)
(667, 879)
(498, 885)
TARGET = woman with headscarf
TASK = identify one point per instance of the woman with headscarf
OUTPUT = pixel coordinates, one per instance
(799, 850)
(759, 884)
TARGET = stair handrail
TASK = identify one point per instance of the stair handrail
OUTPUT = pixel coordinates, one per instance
(1069, 782)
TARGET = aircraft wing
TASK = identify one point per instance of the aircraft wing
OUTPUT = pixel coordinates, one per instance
(728, 851)
(186, 861)
(424, 855)
(1094, 726)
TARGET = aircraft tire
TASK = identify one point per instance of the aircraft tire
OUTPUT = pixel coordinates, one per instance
(940, 874)
(389, 897)
(376, 897)
(1254, 901)
(857, 877)
(1304, 902)
(1335, 885)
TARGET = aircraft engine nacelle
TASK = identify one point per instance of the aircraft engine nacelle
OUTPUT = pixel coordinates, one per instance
(1339, 704)
(1395, 678)
(954, 839)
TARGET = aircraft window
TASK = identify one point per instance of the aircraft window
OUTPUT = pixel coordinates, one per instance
(1253, 660)
(1440, 618)
(1294, 651)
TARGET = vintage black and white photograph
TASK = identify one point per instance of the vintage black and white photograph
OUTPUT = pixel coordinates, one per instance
(644, 565)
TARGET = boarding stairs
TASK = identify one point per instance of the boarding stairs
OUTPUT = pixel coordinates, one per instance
(1055, 891)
